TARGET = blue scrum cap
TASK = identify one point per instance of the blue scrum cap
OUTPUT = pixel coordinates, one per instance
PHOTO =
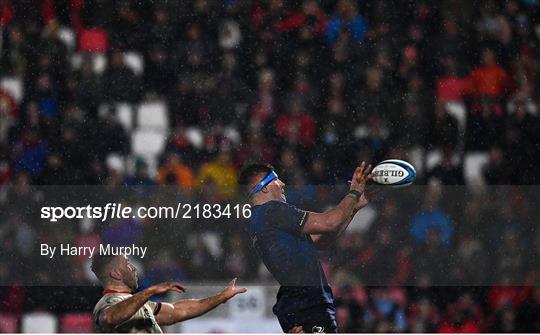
(266, 180)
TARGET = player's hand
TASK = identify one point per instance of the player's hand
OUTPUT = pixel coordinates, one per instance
(231, 290)
(295, 330)
(367, 196)
(363, 201)
(166, 287)
(361, 177)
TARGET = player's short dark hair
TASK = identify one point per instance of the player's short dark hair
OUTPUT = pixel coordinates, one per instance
(99, 263)
(249, 172)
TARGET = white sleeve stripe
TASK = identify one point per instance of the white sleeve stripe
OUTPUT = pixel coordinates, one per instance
(304, 219)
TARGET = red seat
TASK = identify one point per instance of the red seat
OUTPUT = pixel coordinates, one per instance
(93, 40)
(76, 323)
(8, 323)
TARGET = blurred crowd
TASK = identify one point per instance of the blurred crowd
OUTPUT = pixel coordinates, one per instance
(312, 87)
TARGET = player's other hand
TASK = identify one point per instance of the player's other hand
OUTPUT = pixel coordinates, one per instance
(166, 287)
(295, 330)
(231, 290)
(361, 177)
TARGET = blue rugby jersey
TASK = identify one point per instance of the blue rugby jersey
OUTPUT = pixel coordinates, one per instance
(275, 230)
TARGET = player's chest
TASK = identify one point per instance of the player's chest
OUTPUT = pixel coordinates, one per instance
(142, 321)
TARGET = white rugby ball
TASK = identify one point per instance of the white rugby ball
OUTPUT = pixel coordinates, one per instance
(394, 172)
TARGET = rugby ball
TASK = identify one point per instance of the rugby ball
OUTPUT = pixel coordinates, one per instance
(393, 172)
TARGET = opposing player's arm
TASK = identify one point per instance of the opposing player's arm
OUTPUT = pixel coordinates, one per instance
(336, 220)
(191, 308)
(116, 314)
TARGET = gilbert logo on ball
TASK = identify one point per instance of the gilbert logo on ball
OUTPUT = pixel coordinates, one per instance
(394, 172)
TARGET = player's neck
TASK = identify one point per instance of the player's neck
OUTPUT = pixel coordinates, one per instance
(117, 288)
(262, 200)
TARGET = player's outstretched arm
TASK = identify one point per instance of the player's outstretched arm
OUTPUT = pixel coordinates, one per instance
(334, 220)
(323, 241)
(192, 308)
(117, 314)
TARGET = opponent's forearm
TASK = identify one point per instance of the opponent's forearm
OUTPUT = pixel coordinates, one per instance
(191, 308)
(122, 311)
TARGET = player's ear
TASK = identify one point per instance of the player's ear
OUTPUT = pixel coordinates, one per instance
(265, 190)
(115, 274)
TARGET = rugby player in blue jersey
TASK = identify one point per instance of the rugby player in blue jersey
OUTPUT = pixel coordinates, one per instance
(286, 237)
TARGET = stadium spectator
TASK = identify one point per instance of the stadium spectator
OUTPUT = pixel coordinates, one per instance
(265, 106)
(159, 73)
(450, 85)
(374, 101)
(255, 147)
(473, 261)
(87, 87)
(6, 171)
(120, 82)
(346, 20)
(162, 32)
(385, 313)
(296, 126)
(125, 27)
(350, 308)
(54, 172)
(435, 262)
(505, 321)
(446, 172)
(235, 257)
(8, 114)
(141, 176)
(522, 129)
(526, 319)
(163, 268)
(30, 153)
(444, 128)
(384, 249)
(432, 220)
(344, 319)
(423, 317)
(175, 172)
(496, 172)
(220, 172)
(489, 79)
(456, 322)
(16, 53)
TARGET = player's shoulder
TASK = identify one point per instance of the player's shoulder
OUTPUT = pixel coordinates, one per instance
(116, 296)
(272, 204)
(273, 207)
(110, 299)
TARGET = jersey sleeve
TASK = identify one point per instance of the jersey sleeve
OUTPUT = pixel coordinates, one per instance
(112, 300)
(287, 217)
(104, 304)
(155, 306)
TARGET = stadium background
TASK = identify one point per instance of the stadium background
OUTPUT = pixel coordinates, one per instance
(186, 92)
